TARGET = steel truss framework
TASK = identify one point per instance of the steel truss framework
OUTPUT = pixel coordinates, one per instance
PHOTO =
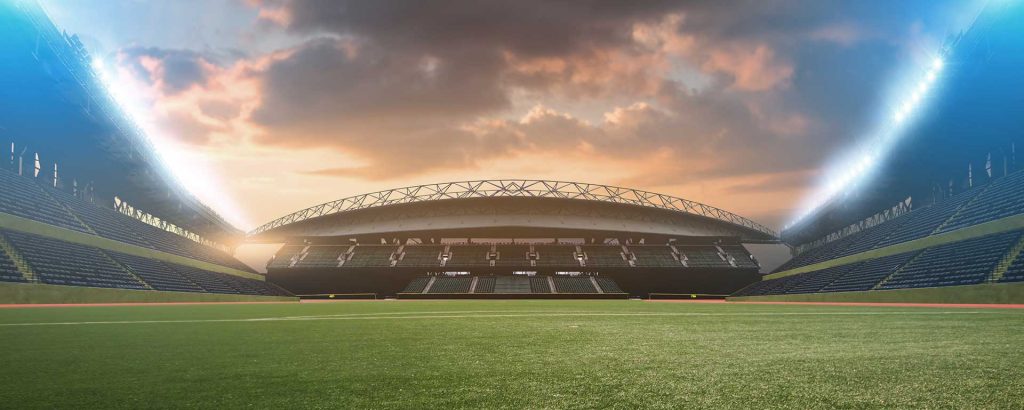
(513, 188)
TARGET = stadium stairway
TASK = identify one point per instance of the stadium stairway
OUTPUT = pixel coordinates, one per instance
(1004, 264)
(19, 261)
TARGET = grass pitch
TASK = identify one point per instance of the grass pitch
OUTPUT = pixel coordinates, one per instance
(511, 354)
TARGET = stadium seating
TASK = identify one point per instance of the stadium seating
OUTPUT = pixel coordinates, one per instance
(916, 224)
(484, 284)
(420, 255)
(513, 284)
(556, 255)
(369, 256)
(512, 255)
(659, 256)
(702, 256)
(540, 285)
(8, 271)
(468, 255)
(283, 257)
(924, 221)
(604, 256)
(742, 257)
(866, 275)
(962, 263)
(443, 284)
(158, 275)
(417, 285)
(1015, 273)
(1002, 198)
(579, 284)
(20, 196)
(609, 286)
(321, 256)
(814, 281)
(63, 263)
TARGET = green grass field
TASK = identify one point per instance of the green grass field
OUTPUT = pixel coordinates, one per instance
(511, 354)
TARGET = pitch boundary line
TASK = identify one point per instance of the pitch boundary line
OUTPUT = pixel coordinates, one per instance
(414, 315)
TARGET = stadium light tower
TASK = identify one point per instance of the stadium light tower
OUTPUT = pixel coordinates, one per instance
(858, 167)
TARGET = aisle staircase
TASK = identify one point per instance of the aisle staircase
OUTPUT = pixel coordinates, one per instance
(1004, 264)
(19, 261)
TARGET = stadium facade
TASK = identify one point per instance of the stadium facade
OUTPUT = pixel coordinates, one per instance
(513, 238)
(87, 211)
(945, 208)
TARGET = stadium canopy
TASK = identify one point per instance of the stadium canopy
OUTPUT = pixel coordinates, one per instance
(56, 109)
(512, 208)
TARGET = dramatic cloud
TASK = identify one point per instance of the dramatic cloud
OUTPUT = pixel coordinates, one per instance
(675, 95)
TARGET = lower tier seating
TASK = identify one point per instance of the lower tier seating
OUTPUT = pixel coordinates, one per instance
(451, 285)
(962, 263)
(966, 262)
(510, 284)
(8, 271)
(580, 284)
(608, 285)
(58, 262)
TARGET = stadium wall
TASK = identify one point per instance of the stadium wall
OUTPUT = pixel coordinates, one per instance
(16, 223)
(37, 293)
(1007, 224)
(988, 293)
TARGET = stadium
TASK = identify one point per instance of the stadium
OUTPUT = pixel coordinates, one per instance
(120, 288)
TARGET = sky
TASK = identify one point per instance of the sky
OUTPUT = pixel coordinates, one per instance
(264, 107)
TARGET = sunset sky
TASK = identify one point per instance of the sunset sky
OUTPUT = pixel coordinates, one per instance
(266, 107)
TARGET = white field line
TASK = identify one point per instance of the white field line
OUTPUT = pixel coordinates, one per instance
(414, 315)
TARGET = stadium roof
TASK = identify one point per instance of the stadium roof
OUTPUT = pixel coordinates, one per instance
(95, 140)
(968, 133)
(499, 195)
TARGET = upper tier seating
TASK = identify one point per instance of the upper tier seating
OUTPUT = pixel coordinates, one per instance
(8, 271)
(371, 256)
(702, 256)
(444, 284)
(513, 284)
(512, 255)
(923, 221)
(961, 263)
(321, 256)
(26, 197)
(658, 256)
(468, 255)
(556, 255)
(64, 263)
(283, 257)
(1003, 198)
(20, 196)
(916, 224)
(742, 257)
(421, 255)
(579, 284)
(604, 256)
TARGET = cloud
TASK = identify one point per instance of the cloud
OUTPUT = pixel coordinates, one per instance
(669, 93)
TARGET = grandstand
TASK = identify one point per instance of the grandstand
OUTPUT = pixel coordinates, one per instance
(958, 190)
(86, 204)
(513, 238)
